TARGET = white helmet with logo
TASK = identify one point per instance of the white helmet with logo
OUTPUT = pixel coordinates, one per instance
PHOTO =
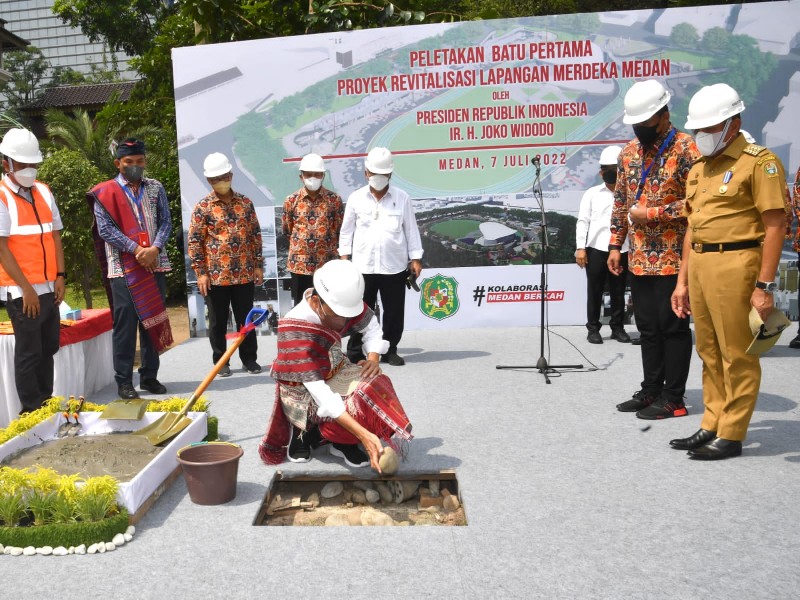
(312, 163)
(643, 100)
(609, 155)
(216, 164)
(21, 145)
(712, 105)
(340, 284)
(379, 161)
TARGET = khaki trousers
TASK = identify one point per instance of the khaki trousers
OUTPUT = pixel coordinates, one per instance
(720, 286)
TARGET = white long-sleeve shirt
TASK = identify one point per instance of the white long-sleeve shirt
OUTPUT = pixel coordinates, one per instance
(593, 229)
(380, 236)
(329, 403)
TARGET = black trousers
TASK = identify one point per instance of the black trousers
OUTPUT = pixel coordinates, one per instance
(666, 339)
(392, 289)
(597, 275)
(299, 284)
(240, 298)
(36, 341)
(123, 337)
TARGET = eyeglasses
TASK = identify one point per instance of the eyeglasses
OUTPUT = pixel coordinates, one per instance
(218, 178)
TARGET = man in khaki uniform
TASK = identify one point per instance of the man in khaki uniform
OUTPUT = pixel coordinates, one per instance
(736, 224)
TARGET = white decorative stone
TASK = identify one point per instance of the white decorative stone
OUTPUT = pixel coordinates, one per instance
(332, 489)
(433, 486)
(92, 549)
(71, 550)
(15, 551)
(110, 547)
(81, 549)
(118, 540)
(60, 551)
(2, 549)
(101, 547)
(363, 485)
(131, 529)
(372, 496)
(45, 550)
(29, 551)
(128, 537)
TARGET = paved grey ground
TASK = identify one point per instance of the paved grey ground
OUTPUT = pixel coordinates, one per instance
(565, 497)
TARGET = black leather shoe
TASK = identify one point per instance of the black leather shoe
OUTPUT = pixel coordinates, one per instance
(717, 449)
(699, 438)
(126, 391)
(795, 343)
(594, 337)
(621, 336)
(636, 341)
(153, 386)
(393, 359)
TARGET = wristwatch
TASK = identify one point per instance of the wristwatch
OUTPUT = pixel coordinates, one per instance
(770, 287)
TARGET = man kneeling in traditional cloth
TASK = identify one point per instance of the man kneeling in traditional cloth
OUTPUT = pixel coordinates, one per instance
(320, 396)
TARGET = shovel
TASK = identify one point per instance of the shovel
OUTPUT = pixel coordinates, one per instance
(171, 424)
(125, 409)
(64, 428)
(76, 426)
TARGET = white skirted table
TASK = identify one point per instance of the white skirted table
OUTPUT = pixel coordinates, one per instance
(83, 364)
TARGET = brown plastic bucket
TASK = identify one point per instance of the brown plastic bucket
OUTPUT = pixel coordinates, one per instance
(210, 470)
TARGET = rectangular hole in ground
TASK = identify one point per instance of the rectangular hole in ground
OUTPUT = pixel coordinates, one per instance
(407, 500)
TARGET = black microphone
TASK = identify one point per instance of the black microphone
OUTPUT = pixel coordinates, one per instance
(537, 160)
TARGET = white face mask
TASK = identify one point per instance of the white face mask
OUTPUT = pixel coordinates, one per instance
(312, 183)
(378, 182)
(708, 143)
(25, 177)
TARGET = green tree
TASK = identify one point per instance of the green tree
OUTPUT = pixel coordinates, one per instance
(716, 40)
(69, 174)
(83, 134)
(684, 35)
(28, 68)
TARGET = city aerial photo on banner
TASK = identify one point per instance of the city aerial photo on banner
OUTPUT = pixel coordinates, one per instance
(465, 108)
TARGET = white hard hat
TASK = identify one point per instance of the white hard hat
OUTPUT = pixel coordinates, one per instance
(712, 105)
(379, 161)
(312, 163)
(609, 155)
(748, 136)
(643, 100)
(22, 146)
(766, 334)
(340, 284)
(216, 164)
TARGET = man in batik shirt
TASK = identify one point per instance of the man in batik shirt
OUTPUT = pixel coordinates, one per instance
(795, 343)
(225, 250)
(312, 217)
(648, 206)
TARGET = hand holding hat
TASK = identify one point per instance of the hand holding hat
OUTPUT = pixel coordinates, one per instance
(766, 333)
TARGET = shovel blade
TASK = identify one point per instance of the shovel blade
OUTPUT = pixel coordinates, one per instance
(63, 429)
(125, 410)
(160, 436)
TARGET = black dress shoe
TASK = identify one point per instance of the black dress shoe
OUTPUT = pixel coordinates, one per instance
(153, 386)
(126, 391)
(393, 359)
(621, 336)
(699, 438)
(795, 343)
(636, 341)
(717, 449)
(594, 337)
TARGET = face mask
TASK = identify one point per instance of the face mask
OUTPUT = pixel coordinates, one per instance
(610, 176)
(133, 173)
(25, 177)
(312, 183)
(378, 182)
(221, 187)
(646, 134)
(708, 143)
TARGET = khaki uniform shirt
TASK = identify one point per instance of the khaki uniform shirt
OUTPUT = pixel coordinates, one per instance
(726, 194)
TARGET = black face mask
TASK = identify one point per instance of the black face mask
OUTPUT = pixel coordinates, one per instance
(609, 176)
(647, 134)
(133, 173)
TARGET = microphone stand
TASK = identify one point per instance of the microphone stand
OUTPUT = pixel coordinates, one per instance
(541, 365)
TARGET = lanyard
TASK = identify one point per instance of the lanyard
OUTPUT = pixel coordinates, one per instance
(646, 172)
(137, 200)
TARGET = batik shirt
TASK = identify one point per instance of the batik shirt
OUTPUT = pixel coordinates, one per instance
(225, 240)
(312, 225)
(655, 246)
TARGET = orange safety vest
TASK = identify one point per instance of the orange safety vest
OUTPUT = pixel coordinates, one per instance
(31, 235)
